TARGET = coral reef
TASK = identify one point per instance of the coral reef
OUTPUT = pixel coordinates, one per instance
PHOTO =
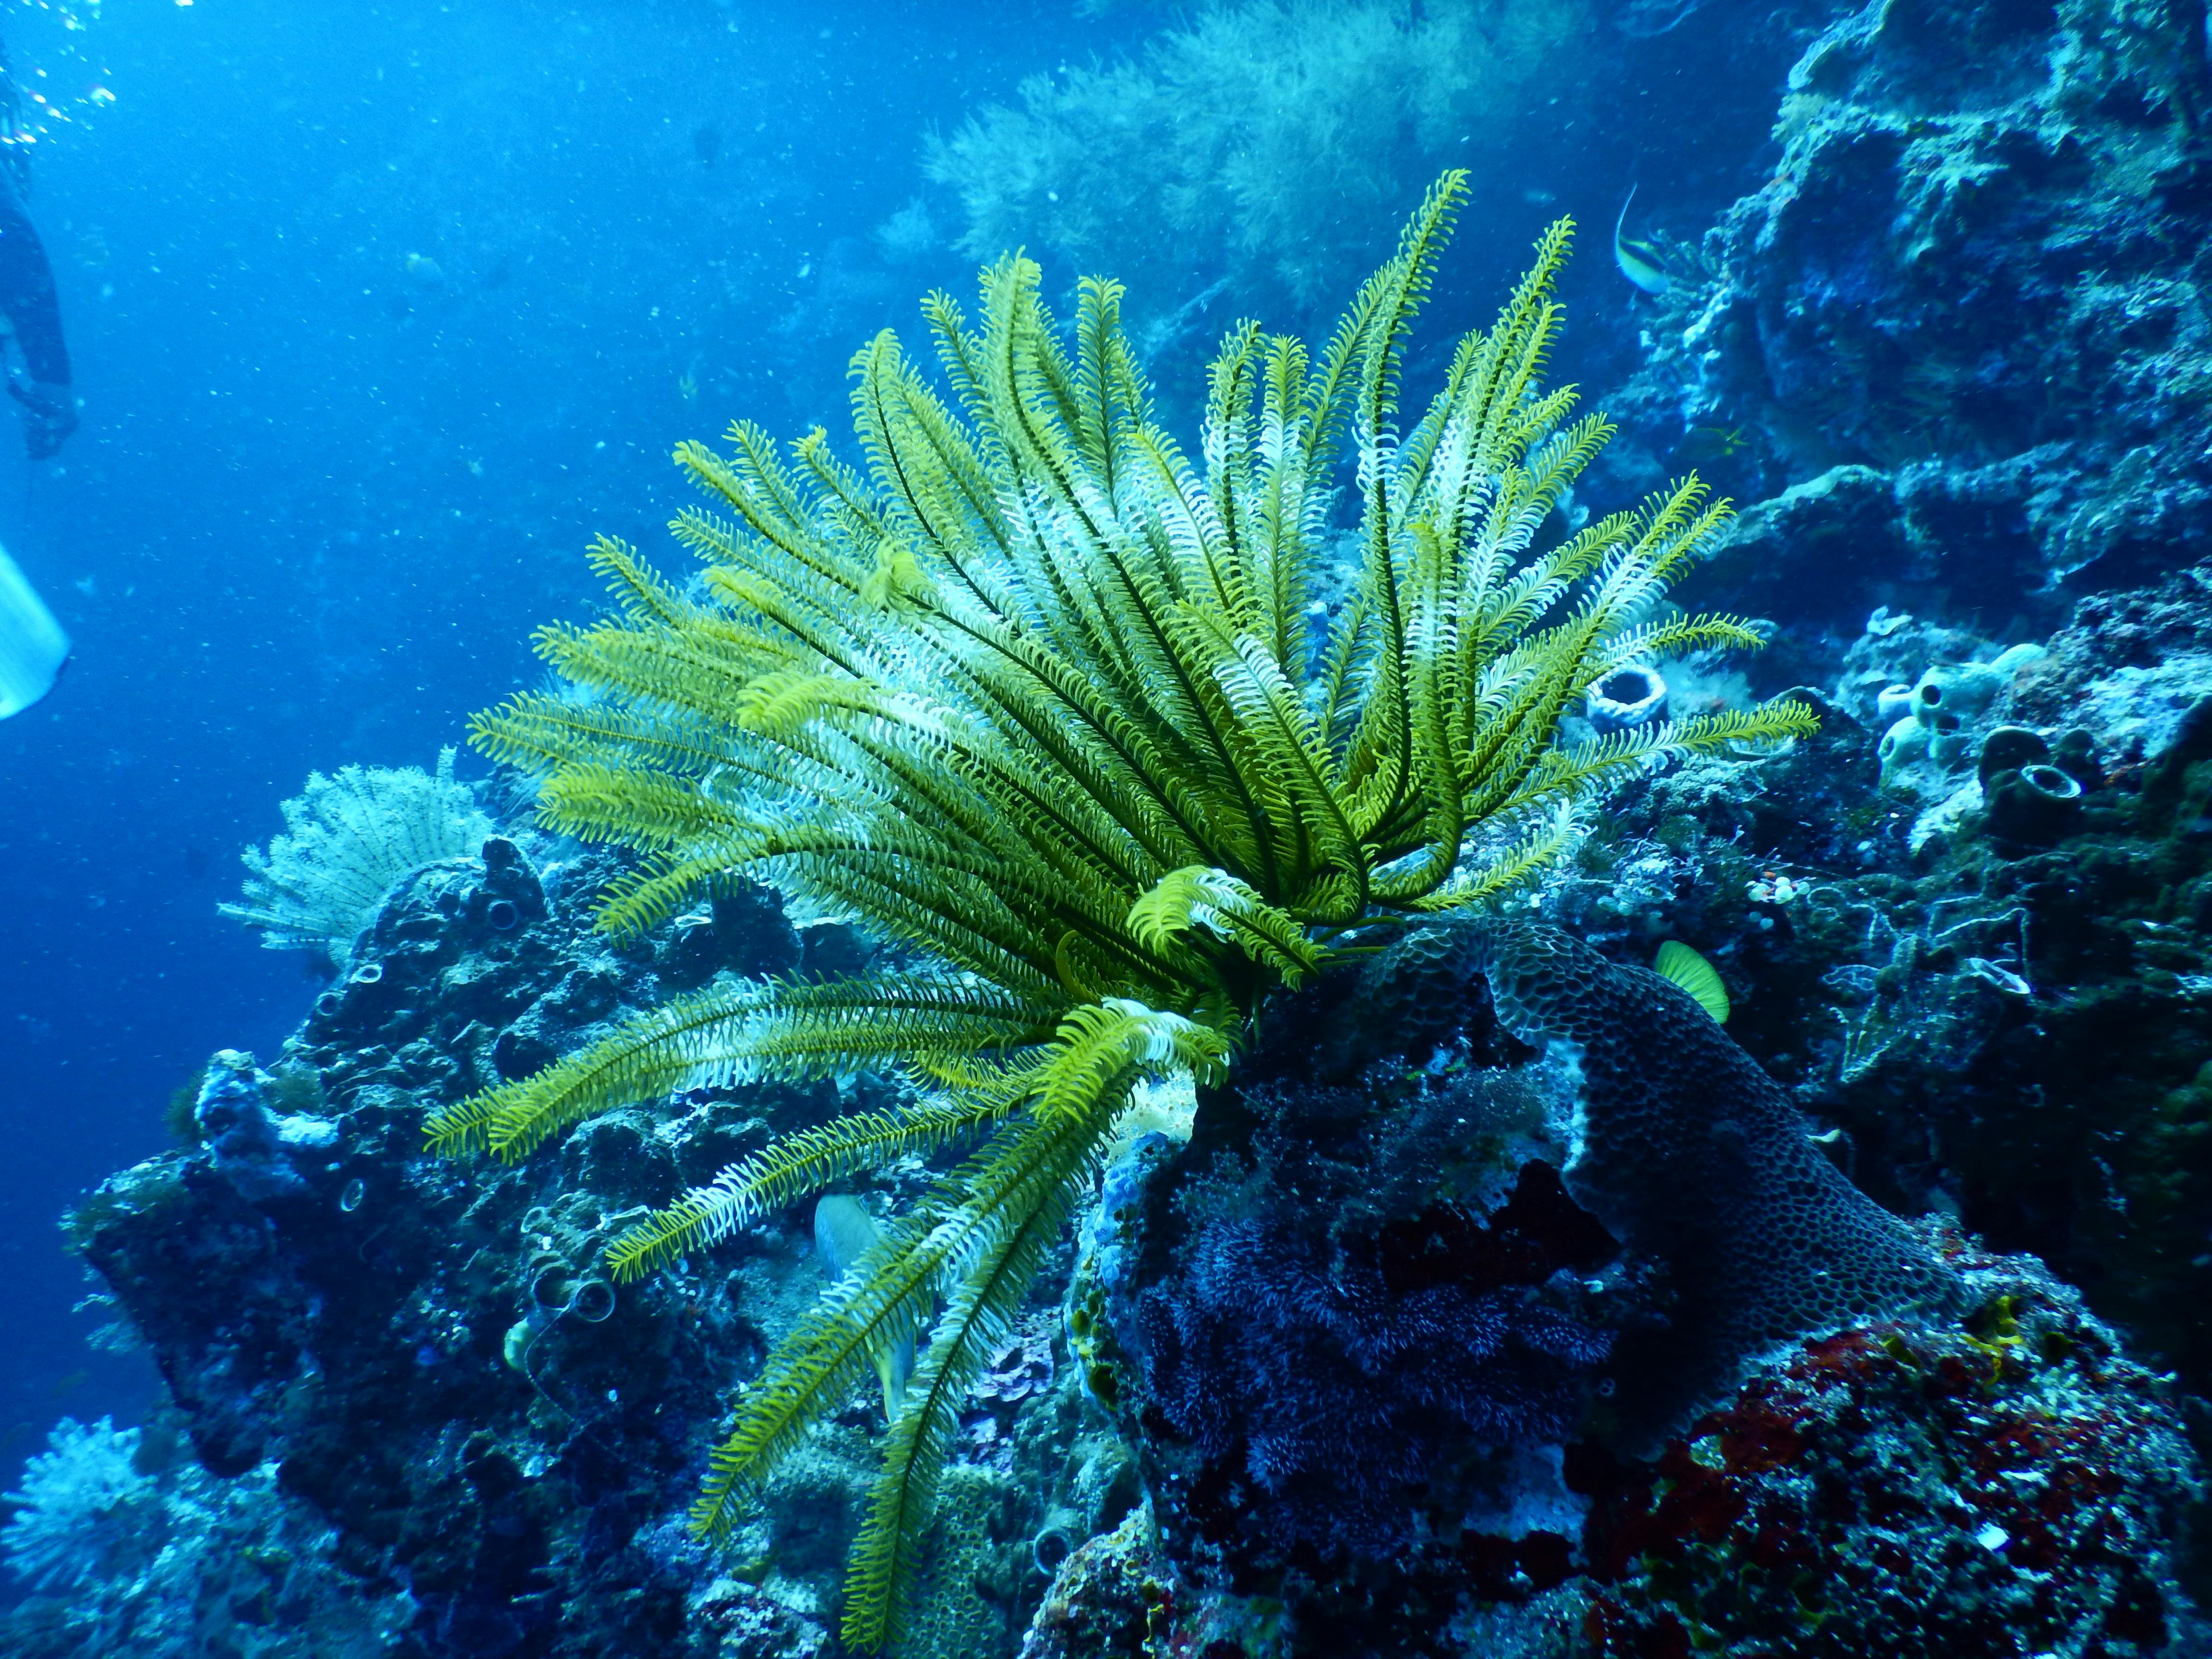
(1320, 1376)
(1962, 327)
(1494, 1300)
(2009, 1485)
(493, 1444)
(1042, 705)
(2003, 1483)
(130, 1547)
(2005, 1021)
(1299, 1392)
(80, 1506)
(347, 839)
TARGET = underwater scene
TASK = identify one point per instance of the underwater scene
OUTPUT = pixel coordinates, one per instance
(1092, 830)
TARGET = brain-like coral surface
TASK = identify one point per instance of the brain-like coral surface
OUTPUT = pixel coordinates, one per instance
(1694, 1156)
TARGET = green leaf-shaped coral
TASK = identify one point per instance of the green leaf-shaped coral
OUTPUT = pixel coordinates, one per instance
(1040, 697)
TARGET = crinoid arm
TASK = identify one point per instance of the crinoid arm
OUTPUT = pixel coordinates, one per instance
(1030, 692)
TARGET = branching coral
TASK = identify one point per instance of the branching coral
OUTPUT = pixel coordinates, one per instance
(83, 1508)
(1034, 697)
(1271, 140)
(349, 838)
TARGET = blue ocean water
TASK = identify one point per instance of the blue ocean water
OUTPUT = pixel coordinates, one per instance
(323, 492)
(319, 502)
(1453, 1283)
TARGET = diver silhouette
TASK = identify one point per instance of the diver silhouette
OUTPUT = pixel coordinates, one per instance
(29, 304)
(34, 317)
(34, 648)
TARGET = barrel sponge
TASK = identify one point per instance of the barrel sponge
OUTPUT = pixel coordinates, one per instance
(1692, 1156)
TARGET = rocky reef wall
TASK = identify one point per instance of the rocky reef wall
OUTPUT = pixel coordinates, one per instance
(1419, 1337)
(1958, 341)
(416, 1382)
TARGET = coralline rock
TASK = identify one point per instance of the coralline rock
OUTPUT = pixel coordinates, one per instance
(339, 1313)
(1965, 318)
(2007, 1484)
(1107, 1600)
(254, 1149)
(427, 1360)
(2007, 1028)
(1998, 1481)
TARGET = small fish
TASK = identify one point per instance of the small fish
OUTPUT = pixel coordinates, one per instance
(34, 649)
(424, 271)
(1640, 262)
(687, 387)
(1713, 443)
(1679, 962)
(1999, 976)
(844, 1232)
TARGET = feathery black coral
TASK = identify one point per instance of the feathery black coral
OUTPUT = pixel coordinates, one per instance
(1032, 693)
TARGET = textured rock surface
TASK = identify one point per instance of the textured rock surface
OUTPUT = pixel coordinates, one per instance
(1697, 1159)
(2012, 1033)
(1956, 1466)
(1961, 331)
(1348, 1324)
(2009, 1485)
(423, 1360)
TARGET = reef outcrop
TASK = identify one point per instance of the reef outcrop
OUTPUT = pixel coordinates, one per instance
(419, 1387)
(1401, 1336)
(1961, 331)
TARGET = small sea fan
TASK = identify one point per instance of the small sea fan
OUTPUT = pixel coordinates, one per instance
(84, 1512)
(351, 838)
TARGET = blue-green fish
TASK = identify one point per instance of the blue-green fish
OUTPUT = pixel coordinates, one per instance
(844, 1232)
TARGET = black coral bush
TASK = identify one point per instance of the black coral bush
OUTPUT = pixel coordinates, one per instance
(1037, 694)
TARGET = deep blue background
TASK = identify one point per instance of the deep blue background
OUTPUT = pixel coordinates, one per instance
(318, 502)
(379, 313)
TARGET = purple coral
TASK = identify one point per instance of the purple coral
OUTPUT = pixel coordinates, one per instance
(1326, 1379)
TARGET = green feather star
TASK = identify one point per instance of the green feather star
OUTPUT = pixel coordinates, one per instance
(1038, 695)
